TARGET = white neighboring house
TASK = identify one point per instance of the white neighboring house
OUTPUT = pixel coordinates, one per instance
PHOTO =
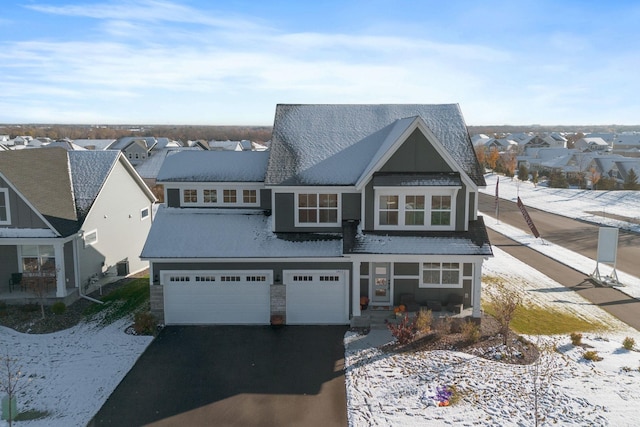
(68, 217)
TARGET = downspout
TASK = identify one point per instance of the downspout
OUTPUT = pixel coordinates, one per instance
(77, 259)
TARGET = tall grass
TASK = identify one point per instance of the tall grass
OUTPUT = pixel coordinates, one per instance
(536, 320)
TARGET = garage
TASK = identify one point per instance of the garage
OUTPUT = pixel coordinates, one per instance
(317, 296)
(216, 297)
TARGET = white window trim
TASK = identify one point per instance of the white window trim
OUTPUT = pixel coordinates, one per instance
(338, 222)
(461, 276)
(219, 188)
(427, 192)
(142, 215)
(89, 233)
(5, 191)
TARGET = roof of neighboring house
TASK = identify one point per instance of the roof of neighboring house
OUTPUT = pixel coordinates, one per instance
(61, 185)
(338, 144)
(89, 171)
(99, 144)
(214, 166)
(151, 166)
(203, 233)
(146, 142)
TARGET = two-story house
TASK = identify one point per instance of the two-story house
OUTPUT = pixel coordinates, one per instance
(351, 201)
(67, 218)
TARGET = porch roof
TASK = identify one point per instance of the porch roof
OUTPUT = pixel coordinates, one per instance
(472, 242)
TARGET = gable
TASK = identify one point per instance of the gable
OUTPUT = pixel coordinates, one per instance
(42, 177)
(339, 144)
(416, 154)
(20, 213)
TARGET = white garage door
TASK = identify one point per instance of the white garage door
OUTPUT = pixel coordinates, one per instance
(317, 296)
(216, 297)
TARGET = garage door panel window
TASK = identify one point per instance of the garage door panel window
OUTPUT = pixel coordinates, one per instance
(217, 278)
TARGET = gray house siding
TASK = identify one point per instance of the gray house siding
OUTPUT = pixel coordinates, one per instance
(351, 206)
(265, 199)
(411, 285)
(22, 216)
(9, 264)
(69, 270)
(461, 219)
(173, 198)
(416, 155)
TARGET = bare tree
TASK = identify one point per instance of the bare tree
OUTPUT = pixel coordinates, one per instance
(12, 381)
(505, 302)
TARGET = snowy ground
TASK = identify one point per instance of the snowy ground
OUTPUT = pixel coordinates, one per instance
(71, 373)
(386, 389)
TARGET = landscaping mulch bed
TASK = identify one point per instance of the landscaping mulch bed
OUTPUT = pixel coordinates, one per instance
(489, 346)
(28, 318)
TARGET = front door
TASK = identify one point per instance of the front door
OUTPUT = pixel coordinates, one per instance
(381, 291)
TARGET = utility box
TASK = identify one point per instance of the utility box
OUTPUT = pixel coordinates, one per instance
(6, 405)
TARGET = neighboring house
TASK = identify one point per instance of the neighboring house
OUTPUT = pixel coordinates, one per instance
(351, 201)
(592, 144)
(135, 149)
(68, 218)
(627, 144)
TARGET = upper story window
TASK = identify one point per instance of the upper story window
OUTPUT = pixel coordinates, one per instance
(90, 238)
(5, 213)
(209, 195)
(317, 208)
(249, 196)
(414, 208)
(219, 195)
(229, 196)
(190, 195)
(144, 213)
(440, 210)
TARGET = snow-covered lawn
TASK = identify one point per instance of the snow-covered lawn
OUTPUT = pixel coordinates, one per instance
(388, 389)
(71, 373)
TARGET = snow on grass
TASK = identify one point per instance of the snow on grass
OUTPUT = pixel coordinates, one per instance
(397, 389)
(71, 373)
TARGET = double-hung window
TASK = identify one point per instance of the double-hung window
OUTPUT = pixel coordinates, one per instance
(414, 209)
(317, 208)
(5, 215)
(38, 259)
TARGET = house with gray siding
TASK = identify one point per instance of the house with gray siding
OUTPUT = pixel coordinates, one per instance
(67, 219)
(351, 202)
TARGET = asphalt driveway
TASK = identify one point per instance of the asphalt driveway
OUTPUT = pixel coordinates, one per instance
(234, 376)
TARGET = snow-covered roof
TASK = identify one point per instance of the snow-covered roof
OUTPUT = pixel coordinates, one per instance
(151, 166)
(336, 144)
(89, 171)
(205, 233)
(418, 245)
(94, 144)
(214, 166)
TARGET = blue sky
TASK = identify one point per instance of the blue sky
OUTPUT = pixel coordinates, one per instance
(230, 62)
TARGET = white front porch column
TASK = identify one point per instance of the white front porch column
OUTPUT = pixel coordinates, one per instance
(61, 282)
(477, 289)
(356, 289)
